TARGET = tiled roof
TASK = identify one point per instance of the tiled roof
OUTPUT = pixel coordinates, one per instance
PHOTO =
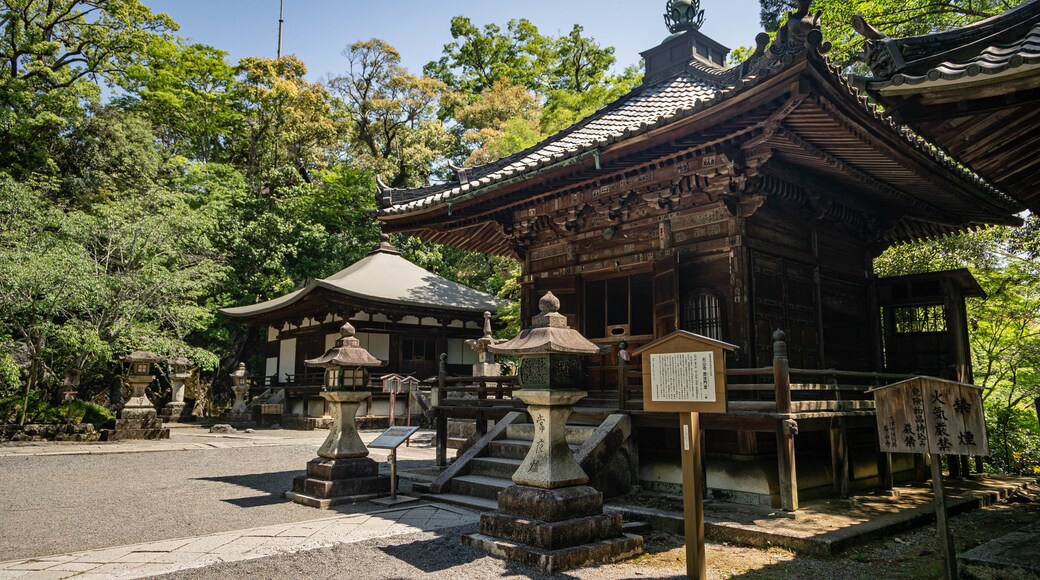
(662, 101)
(642, 109)
(993, 59)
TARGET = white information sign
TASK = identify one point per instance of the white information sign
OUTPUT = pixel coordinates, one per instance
(684, 377)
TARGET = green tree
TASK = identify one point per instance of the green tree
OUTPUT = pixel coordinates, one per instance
(188, 94)
(53, 55)
(394, 130)
(288, 120)
(478, 57)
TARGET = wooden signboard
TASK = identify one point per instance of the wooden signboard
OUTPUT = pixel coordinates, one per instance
(937, 417)
(685, 373)
(930, 415)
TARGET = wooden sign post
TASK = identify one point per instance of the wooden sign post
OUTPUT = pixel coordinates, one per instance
(936, 417)
(685, 373)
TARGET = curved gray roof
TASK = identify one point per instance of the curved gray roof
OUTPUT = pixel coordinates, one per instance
(384, 276)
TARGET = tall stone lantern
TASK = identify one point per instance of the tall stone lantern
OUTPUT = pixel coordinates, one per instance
(549, 518)
(138, 419)
(174, 410)
(139, 377)
(342, 472)
(240, 417)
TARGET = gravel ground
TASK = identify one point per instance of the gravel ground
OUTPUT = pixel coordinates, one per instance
(58, 504)
(911, 555)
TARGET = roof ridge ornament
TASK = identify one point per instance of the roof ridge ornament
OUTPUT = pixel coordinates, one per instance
(682, 15)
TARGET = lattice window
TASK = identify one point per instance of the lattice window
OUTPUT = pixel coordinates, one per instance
(930, 318)
(702, 314)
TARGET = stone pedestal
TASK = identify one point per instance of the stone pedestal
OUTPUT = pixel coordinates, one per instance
(176, 411)
(240, 417)
(342, 472)
(550, 519)
(137, 419)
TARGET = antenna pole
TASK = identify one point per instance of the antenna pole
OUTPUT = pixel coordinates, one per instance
(281, 7)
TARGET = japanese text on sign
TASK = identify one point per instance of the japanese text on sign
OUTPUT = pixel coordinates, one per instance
(925, 415)
(683, 377)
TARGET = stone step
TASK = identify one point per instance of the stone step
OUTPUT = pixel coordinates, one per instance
(503, 467)
(479, 486)
(515, 448)
(466, 501)
(510, 448)
(576, 434)
(637, 528)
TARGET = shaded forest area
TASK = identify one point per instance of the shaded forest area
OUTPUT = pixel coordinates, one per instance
(146, 181)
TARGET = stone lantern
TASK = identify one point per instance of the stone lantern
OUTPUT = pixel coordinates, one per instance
(174, 410)
(139, 377)
(549, 517)
(240, 417)
(342, 472)
(486, 365)
(138, 419)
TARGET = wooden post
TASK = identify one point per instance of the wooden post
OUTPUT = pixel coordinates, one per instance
(622, 373)
(481, 426)
(393, 405)
(781, 373)
(949, 554)
(693, 495)
(840, 456)
(442, 421)
(786, 429)
(886, 479)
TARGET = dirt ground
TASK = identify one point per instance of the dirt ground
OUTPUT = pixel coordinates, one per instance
(913, 554)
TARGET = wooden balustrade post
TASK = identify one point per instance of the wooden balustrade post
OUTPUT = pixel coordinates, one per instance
(781, 373)
(786, 428)
(481, 416)
(622, 374)
(442, 420)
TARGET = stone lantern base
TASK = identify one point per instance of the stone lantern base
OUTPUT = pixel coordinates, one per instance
(331, 482)
(554, 529)
(342, 472)
(550, 518)
(137, 419)
(174, 412)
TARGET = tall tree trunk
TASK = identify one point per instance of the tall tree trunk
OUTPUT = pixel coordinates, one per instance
(29, 384)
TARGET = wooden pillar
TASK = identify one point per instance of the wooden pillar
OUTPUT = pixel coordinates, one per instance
(481, 426)
(441, 436)
(886, 480)
(781, 373)
(920, 466)
(840, 456)
(622, 374)
(786, 429)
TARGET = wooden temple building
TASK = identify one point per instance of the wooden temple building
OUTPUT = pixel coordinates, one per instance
(735, 203)
(403, 314)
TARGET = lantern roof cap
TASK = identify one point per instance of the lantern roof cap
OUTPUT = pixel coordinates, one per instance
(142, 356)
(241, 371)
(548, 333)
(348, 352)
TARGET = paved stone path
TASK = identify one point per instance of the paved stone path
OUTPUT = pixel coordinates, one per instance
(163, 557)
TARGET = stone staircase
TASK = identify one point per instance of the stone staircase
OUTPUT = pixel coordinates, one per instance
(476, 477)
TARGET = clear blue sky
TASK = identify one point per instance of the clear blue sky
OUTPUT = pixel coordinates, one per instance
(318, 30)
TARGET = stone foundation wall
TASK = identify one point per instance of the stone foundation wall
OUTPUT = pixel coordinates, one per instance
(48, 432)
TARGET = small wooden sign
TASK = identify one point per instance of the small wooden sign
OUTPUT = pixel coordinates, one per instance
(930, 415)
(684, 372)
